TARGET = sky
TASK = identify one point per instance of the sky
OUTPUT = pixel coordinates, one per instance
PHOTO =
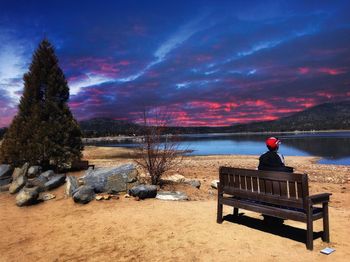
(208, 63)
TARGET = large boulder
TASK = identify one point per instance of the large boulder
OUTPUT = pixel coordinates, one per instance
(111, 180)
(34, 171)
(27, 196)
(83, 194)
(71, 185)
(5, 174)
(55, 181)
(173, 196)
(17, 184)
(143, 191)
(193, 182)
(20, 171)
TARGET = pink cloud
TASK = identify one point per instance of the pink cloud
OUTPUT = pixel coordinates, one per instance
(332, 71)
(303, 70)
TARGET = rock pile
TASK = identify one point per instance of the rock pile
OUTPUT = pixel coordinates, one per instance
(111, 181)
(28, 182)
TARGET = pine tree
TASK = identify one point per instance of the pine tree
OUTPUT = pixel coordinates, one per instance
(44, 130)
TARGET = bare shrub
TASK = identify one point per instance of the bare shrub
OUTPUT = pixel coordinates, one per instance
(157, 152)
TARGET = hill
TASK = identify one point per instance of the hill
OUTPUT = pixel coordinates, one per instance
(99, 127)
(328, 116)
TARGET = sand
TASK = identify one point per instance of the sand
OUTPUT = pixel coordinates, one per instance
(154, 230)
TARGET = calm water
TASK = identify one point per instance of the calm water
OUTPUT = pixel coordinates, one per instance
(334, 148)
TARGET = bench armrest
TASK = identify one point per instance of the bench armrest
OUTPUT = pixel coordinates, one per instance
(319, 198)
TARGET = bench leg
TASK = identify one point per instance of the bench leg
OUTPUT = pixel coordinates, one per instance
(309, 230)
(325, 235)
(235, 211)
(219, 214)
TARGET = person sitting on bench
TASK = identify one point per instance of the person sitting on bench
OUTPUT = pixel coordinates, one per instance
(272, 160)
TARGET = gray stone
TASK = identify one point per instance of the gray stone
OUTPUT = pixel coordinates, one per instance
(5, 181)
(20, 171)
(173, 196)
(38, 181)
(83, 194)
(27, 196)
(46, 197)
(143, 191)
(48, 174)
(34, 171)
(55, 181)
(17, 184)
(5, 171)
(5, 174)
(214, 184)
(193, 182)
(5, 188)
(115, 179)
(71, 185)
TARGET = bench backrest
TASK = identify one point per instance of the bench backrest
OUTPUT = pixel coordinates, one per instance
(279, 188)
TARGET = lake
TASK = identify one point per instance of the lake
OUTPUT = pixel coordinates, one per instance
(332, 147)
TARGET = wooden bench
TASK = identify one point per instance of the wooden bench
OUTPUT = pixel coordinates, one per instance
(277, 194)
(81, 165)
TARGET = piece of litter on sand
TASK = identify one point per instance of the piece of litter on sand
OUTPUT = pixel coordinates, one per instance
(327, 250)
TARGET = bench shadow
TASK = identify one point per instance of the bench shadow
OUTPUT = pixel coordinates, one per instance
(286, 231)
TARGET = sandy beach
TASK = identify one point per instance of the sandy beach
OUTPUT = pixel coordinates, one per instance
(154, 230)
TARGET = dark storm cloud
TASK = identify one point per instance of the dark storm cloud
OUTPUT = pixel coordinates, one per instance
(209, 64)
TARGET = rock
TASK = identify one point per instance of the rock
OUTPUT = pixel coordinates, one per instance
(105, 197)
(98, 198)
(127, 196)
(5, 188)
(71, 185)
(5, 174)
(5, 181)
(173, 196)
(27, 196)
(34, 171)
(48, 174)
(193, 182)
(46, 197)
(143, 191)
(20, 171)
(17, 184)
(116, 179)
(55, 181)
(214, 184)
(5, 171)
(177, 178)
(38, 181)
(83, 194)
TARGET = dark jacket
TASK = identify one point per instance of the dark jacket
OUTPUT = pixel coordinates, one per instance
(272, 161)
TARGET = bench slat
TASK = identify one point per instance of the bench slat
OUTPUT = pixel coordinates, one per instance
(263, 197)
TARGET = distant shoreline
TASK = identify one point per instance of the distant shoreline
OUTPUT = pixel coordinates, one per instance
(111, 139)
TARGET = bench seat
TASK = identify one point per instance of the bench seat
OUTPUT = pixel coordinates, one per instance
(296, 214)
(276, 194)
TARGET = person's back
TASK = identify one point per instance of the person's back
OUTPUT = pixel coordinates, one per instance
(272, 160)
